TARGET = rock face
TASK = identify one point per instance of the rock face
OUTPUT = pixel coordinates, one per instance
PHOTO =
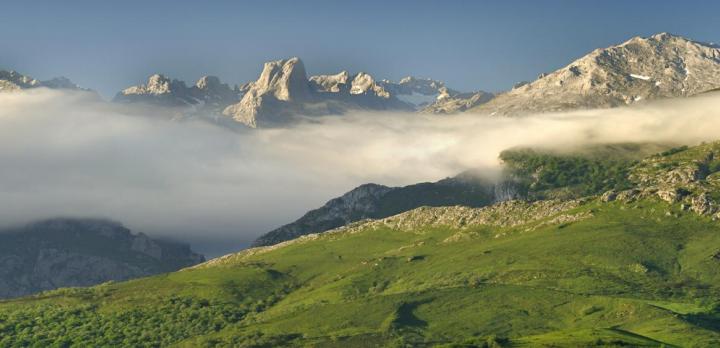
(14, 81)
(283, 92)
(449, 102)
(412, 85)
(660, 66)
(686, 176)
(371, 201)
(277, 94)
(208, 94)
(81, 252)
(432, 96)
(360, 203)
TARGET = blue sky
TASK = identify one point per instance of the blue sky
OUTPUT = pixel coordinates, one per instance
(490, 45)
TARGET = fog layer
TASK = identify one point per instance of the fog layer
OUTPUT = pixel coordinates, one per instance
(68, 154)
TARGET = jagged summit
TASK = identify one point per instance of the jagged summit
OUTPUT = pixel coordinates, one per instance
(280, 81)
(330, 83)
(208, 93)
(283, 93)
(642, 68)
(14, 81)
(157, 84)
(286, 80)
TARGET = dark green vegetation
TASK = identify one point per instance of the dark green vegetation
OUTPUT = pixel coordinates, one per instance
(635, 271)
(543, 174)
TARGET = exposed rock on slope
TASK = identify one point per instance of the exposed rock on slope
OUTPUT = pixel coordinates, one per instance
(686, 176)
(377, 201)
(81, 252)
(360, 203)
(14, 81)
(660, 66)
(449, 102)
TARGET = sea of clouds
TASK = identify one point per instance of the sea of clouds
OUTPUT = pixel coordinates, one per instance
(72, 154)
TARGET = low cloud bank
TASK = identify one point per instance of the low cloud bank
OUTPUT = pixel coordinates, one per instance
(67, 154)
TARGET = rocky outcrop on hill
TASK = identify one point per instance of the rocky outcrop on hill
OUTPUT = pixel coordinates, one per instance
(377, 201)
(515, 213)
(689, 177)
(640, 69)
(360, 203)
(81, 252)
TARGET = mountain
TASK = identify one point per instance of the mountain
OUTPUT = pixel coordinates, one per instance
(283, 94)
(208, 94)
(640, 69)
(633, 266)
(65, 252)
(372, 201)
(14, 81)
(449, 102)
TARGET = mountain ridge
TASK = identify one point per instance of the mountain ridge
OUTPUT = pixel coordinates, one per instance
(637, 70)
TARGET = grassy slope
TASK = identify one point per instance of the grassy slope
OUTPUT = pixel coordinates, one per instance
(628, 274)
(640, 274)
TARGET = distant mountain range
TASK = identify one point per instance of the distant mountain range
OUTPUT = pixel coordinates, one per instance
(284, 93)
(640, 69)
(65, 252)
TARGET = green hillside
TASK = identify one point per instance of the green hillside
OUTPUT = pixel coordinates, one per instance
(636, 266)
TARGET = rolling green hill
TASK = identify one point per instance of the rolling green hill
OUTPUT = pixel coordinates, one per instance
(638, 265)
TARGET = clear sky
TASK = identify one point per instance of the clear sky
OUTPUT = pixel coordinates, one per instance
(490, 45)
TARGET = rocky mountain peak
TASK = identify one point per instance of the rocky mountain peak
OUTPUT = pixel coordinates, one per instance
(280, 81)
(14, 81)
(659, 66)
(208, 83)
(10, 80)
(157, 84)
(283, 93)
(207, 97)
(286, 80)
(363, 83)
(330, 83)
